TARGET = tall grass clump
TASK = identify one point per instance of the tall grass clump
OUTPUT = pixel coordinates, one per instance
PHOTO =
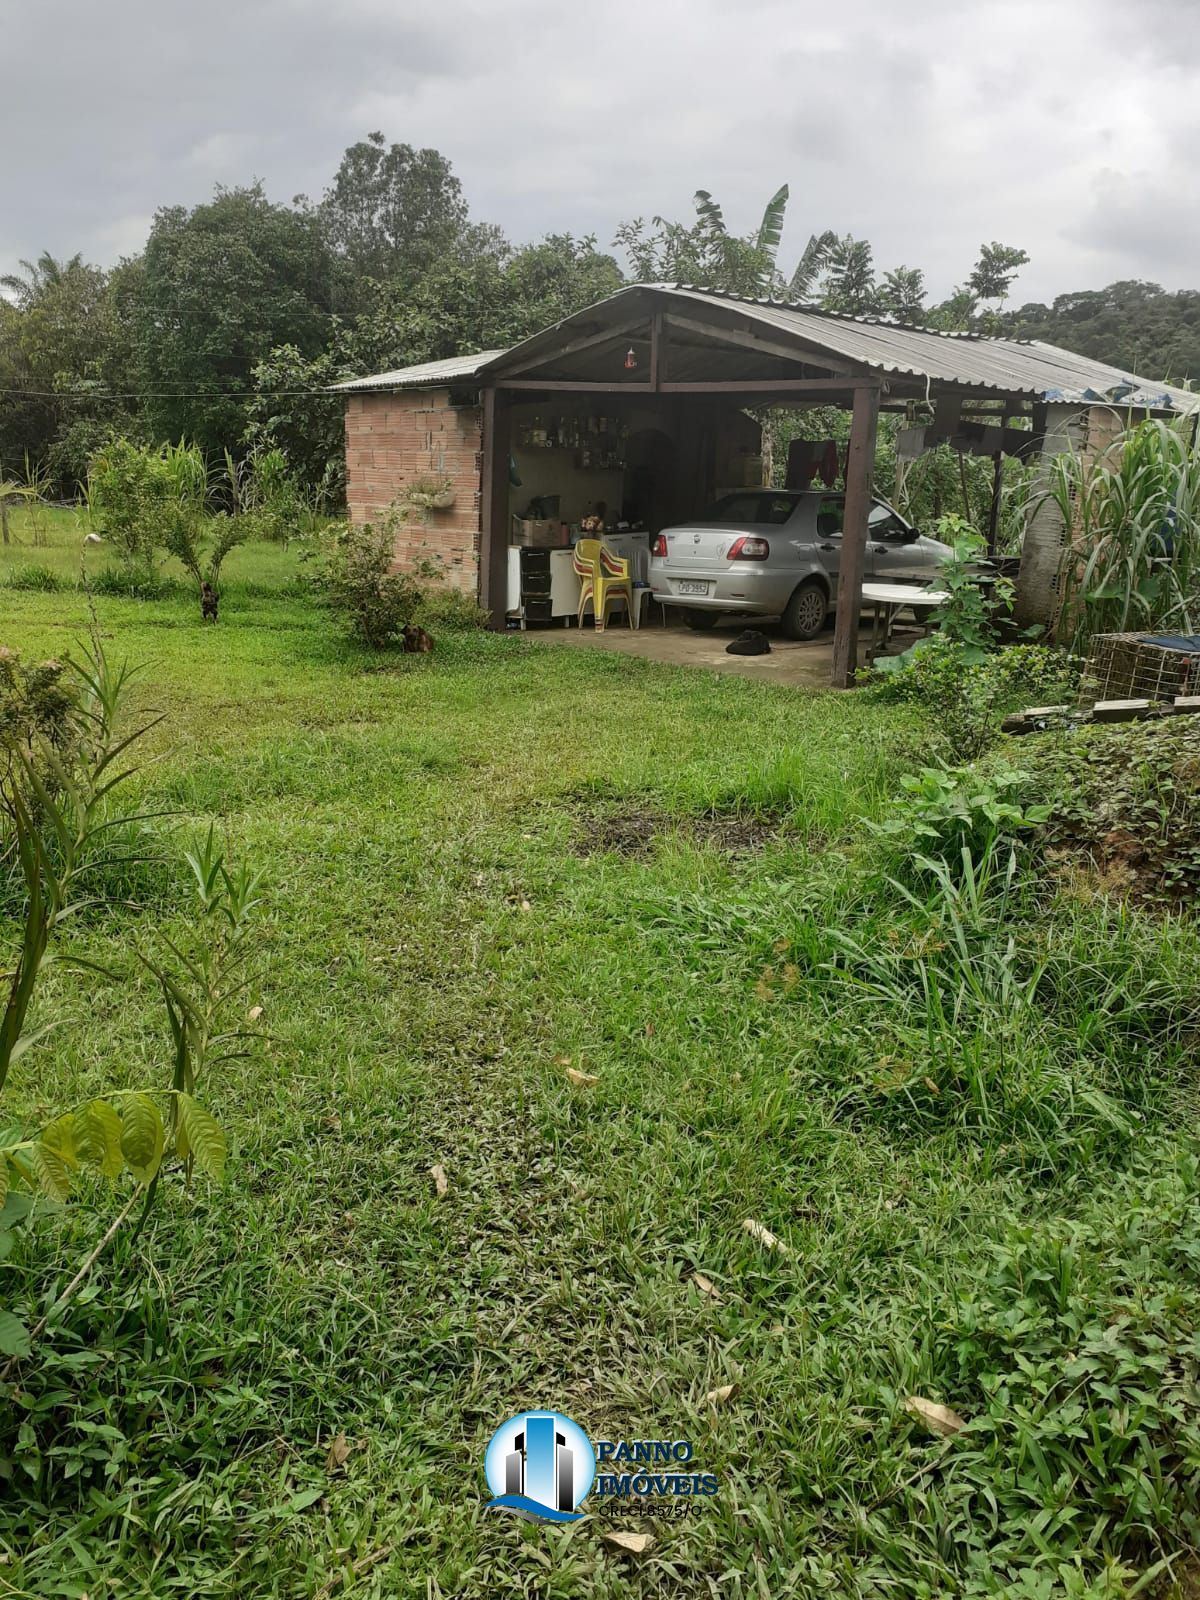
(1133, 556)
(36, 578)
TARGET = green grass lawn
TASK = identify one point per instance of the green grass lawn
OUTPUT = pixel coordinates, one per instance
(996, 1210)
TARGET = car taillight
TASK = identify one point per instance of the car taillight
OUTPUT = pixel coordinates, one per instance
(746, 549)
(660, 545)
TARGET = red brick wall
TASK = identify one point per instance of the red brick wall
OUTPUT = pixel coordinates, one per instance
(391, 439)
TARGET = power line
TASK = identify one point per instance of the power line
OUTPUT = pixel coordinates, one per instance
(135, 394)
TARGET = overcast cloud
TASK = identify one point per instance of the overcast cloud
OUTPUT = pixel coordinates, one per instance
(1069, 127)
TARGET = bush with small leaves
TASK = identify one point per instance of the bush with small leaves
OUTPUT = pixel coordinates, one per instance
(355, 580)
(967, 698)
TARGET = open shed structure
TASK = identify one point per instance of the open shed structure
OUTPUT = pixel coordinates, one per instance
(674, 369)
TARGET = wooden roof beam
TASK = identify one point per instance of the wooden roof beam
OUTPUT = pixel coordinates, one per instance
(764, 347)
(586, 342)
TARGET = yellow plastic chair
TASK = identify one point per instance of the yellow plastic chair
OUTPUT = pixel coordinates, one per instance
(584, 558)
(603, 578)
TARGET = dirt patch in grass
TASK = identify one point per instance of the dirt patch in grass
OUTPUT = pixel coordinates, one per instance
(634, 830)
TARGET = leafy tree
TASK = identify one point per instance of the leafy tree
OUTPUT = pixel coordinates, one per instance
(223, 285)
(993, 274)
(62, 360)
(1139, 327)
(989, 279)
(392, 211)
(292, 412)
(487, 301)
(901, 293)
(705, 252)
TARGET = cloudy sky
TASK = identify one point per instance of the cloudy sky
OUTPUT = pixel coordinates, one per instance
(1069, 127)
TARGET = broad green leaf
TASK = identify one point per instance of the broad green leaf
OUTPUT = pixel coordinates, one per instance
(16, 1208)
(7, 1240)
(51, 1171)
(14, 1335)
(3, 1179)
(60, 1137)
(141, 1136)
(199, 1136)
(98, 1137)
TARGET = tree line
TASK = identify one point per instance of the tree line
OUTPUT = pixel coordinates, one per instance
(240, 311)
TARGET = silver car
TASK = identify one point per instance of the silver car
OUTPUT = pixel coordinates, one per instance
(774, 553)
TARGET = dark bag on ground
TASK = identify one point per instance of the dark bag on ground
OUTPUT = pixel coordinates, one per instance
(749, 643)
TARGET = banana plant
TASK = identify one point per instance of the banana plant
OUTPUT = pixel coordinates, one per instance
(766, 239)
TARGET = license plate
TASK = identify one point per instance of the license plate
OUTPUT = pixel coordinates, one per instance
(692, 588)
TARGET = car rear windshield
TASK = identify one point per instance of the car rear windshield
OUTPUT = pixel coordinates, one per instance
(753, 507)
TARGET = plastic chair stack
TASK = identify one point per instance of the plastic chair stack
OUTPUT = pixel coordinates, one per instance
(603, 578)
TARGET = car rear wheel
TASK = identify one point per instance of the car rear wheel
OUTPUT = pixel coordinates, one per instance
(805, 613)
(700, 620)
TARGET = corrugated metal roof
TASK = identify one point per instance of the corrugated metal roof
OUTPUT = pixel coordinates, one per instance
(966, 361)
(428, 374)
(1004, 366)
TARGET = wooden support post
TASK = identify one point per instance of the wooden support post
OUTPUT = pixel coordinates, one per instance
(860, 467)
(493, 508)
(657, 350)
(993, 532)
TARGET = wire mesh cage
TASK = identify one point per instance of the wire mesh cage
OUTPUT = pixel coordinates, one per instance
(1142, 666)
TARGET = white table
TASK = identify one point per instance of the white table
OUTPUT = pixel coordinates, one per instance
(888, 600)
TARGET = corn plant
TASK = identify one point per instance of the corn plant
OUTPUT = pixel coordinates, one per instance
(1133, 556)
(12, 494)
(275, 500)
(200, 991)
(58, 800)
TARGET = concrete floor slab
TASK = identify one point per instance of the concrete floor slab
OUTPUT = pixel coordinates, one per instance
(802, 665)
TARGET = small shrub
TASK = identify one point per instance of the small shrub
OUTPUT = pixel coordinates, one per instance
(65, 758)
(201, 546)
(967, 696)
(970, 612)
(35, 702)
(127, 489)
(36, 579)
(954, 809)
(356, 583)
(149, 502)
